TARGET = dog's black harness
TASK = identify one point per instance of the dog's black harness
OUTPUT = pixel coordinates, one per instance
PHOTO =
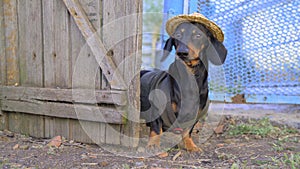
(160, 88)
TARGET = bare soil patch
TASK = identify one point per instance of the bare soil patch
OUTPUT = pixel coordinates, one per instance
(237, 144)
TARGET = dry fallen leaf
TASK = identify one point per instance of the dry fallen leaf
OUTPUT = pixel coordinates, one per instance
(104, 164)
(163, 155)
(16, 146)
(220, 145)
(219, 129)
(55, 142)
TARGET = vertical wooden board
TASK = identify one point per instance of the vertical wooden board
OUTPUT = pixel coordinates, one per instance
(56, 127)
(3, 121)
(87, 132)
(30, 53)
(85, 70)
(30, 42)
(56, 44)
(113, 134)
(11, 42)
(2, 65)
(113, 30)
(113, 37)
(78, 132)
(132, 63)
(57, 58)
(93, 9)
(14, 122)
(26, 124)
(33, 125)
(2, 48)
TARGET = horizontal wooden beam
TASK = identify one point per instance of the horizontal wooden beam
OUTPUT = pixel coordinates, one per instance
(92, 38)
(71, 111)
(85, 96)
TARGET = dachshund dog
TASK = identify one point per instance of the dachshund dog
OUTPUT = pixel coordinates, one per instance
(175, 100)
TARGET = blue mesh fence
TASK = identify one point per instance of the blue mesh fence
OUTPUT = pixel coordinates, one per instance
(262, 37)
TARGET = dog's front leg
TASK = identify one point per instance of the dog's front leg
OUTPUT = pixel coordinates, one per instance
(154, 139)
(188, 142)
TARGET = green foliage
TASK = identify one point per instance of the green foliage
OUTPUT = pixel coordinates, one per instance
(234, 166)
(261, 128)
(292, 160)
(153, 14)
(126, 166)
(288, 160)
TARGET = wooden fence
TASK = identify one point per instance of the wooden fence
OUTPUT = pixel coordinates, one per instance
(61, 77)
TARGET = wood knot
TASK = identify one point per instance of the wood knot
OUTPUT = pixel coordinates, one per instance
(110, 53)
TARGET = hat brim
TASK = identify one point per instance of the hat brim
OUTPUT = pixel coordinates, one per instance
(172, 24)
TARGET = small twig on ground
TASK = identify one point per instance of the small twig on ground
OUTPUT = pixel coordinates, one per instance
(288, 136)
(177, 155)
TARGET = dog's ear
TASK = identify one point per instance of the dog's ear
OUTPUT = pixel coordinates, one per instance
(216, 52)
(168, 48)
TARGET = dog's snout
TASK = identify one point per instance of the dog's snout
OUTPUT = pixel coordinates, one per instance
(182, 54)
(182, 51)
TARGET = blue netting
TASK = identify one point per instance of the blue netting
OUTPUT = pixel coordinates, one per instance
(262, 37)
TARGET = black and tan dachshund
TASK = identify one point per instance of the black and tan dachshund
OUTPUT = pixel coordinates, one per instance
(175, 100)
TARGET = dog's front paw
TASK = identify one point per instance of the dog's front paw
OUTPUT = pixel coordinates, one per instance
(190, 146)
(194, 149)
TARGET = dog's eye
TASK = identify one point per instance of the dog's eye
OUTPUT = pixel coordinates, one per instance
(177, 35)
(197, 36)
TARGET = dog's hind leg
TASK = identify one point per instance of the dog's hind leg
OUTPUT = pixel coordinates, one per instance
(154, 139)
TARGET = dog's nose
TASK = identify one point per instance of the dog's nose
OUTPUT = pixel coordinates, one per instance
(182, 51)
(182, 54)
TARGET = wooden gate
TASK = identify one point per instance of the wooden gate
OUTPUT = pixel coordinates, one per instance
(68, 67)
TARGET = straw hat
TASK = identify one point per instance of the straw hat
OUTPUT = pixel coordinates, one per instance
(195, 17)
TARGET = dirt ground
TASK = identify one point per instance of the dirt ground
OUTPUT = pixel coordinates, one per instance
(235, 144)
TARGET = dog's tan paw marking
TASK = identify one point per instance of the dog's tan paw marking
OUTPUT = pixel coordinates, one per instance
(189, 145)
(154, 141)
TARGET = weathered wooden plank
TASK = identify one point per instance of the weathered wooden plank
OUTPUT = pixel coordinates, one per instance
(93, 40)
(2, 48)
(82, 112)
(11, 43)
(33, 125)
(87, 72)
(65, 95)
(2, 63)
(132, 64)
(56, 30)
(3, 116)
(113, 38)
(30, 52)
(87, 132)
(15, 122)
(56, 127)
(3, 121)
(57, 58)
(30, 42)
(22, 123)
(113, 134)
(78, 132)
(113, 32)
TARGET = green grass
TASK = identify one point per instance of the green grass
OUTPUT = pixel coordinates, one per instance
(288, 161)
(262, 128)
